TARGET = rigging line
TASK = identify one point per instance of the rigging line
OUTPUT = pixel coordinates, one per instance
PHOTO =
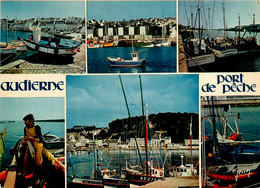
(131, 120)
(205, 18)
(186, 13)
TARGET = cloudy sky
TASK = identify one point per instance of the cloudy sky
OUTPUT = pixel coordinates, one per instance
(35, 9)
(119, 10)
(98, 100)
(214, 9)
(15, 108)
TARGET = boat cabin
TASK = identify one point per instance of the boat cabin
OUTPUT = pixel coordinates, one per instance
(135, 56)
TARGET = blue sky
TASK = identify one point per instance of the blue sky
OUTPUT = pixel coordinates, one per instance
(232, 8)
(43, 108)
(117, 11)
(35, 9)
(98, 100)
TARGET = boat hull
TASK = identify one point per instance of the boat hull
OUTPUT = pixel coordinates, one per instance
(234, 172)
(48, 49)
(201, 60)
(141, 179)
(125, 63)
(240, 153)
(113, 182)
(78, 183)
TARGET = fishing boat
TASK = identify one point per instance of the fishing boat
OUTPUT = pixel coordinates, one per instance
(50, 45)
(52, 173)
(234, 172)
(146, 173)
(110, 44)
(229, 159)
(134, 62)
(53, 142)
(223, 47)
(148, 46)
(144, 43)
(5, 47)
(186, 170)
(86, 181)
(166, 43)
(158, 44)
(196, 50)
(112, 179)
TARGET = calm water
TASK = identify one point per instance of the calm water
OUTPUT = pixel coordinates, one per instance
(249, 122)
(30, 55)
(83, 162)
(14, 131)
(249, 62)
(158, 60)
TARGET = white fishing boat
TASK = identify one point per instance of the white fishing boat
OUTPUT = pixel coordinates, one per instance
(166, 43)
(134, 62)
(148, 46)
(186, 170)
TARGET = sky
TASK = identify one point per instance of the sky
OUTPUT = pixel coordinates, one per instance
(117, 11)
(34, 9)
(13, 109)
(98, 99)
(232, 8)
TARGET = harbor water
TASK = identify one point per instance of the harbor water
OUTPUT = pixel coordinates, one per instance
(248, 121)
(80, 164)
(162, 59)
(14, 131)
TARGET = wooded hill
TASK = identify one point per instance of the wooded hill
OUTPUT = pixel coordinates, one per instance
(176, 125)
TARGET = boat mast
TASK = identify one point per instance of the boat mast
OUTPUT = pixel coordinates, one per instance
(131, 122)
(94, 160)
(239, 26)
(146, 138)
(6, 31)
(199, 24)
(214, 127)
(191, 140)
(146, 127)
(223, 4)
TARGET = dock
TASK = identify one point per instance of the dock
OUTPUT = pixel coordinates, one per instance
(183, 67)
(11, 176)
(234, 102)
(174, 182)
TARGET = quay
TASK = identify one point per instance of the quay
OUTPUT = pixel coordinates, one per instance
(22, 66)
(239, 102)
(183, 67)
(85, 149)
(174, 182)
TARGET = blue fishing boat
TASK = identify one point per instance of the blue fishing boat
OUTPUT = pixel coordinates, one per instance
(51, 45)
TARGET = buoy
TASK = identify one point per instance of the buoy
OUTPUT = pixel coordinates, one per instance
(3, 175)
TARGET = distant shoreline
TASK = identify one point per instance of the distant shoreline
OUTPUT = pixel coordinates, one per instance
(51, 120)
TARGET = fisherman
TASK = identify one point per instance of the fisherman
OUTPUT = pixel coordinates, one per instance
(32, 133)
